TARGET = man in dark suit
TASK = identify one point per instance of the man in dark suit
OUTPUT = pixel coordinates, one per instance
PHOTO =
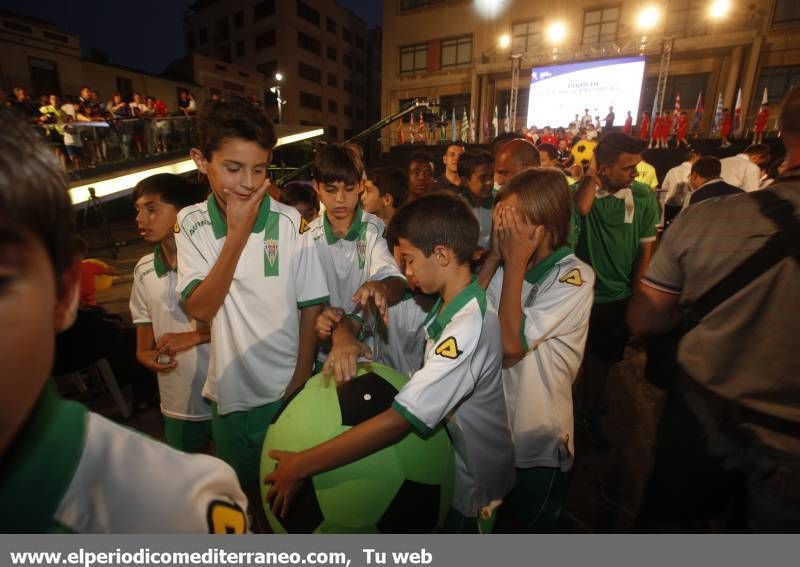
(706, 181)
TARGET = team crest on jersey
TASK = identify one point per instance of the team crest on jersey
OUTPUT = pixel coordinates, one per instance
(303, 225)
(448, 348)
(573, 277)
(177, 228)
(271, 248)
(362, 249)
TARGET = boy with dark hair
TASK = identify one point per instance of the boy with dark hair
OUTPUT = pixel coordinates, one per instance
(459, 383)
(618, 218)
(349, 241)
(168, 342)
(420, 175)
(385, 191)
(302, 197)
(476, 169)
(66, 469)
(243, 265)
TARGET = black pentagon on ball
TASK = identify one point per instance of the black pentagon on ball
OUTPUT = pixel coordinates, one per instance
(364, 398)
(414, 509)
(304, 514)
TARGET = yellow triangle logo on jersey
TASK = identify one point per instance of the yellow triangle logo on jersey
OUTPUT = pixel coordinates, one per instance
(303, 225)
(573, 277)
(448, 348)
(177, 228)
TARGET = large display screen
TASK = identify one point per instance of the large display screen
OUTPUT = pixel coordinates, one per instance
(560, 92)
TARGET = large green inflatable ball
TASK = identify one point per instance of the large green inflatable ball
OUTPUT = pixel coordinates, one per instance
(405, 488)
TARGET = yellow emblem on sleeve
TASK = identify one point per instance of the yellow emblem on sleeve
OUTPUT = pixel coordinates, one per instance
(226, 518)
(303, 225)
(177, 228)
(448, 348)
(573, 277)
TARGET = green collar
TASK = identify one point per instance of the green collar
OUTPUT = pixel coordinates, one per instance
(39, 466)
(536, 274)
(439, 318)
(352, 233)
(161, 266)
(220, 226)
(473, 202)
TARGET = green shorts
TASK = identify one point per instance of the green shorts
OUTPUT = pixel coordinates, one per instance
(187, 436)
(239, 437)
(537, 498)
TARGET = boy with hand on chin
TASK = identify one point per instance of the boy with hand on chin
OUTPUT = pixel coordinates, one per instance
(243, 265)
(459, 383)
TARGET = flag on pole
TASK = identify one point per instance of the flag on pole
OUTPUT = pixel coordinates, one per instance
(400, 136)
(507, 126)
(717, 124)
(421, 132)
(698, 113)
(412, 130)
(737, 112)
(765, 98)
(454, 136)
(464, 127)
(472, 125)
(677, 104)
(443, 128)
(495, 123)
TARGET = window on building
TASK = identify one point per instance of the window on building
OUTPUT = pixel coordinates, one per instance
(308, 43)
(787, 13)
(239, 49)
(600, 26)
(333, 132)
(333, 81)
(526, 36)
(44, 76)
(458, 102)
(347, 35)
(268, 69)
(265, 39)
(309, 73)
(359, 113)
(55, 36)
(238, 19)
(224, 52)
(411, 4)
(360, 91)
(348, 110)
(332, 53)
(308, 13)
(778, 81)
(202, 36)
(222, 31)
(263, 9)
(348, 133)
(359, 66)
(413, 59)
(348, 86)
(310, 101)
(347, 61)
(688, 86)
(456, 52)
(359, 42)
(333, 106)
(686, 18)
(125, 88)
(330, 25)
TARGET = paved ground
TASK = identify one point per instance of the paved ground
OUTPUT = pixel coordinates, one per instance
(606, 486)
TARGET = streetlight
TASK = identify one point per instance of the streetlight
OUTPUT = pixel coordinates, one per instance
(719, 9)
(277, 91)
(556, 32)
(648, 18)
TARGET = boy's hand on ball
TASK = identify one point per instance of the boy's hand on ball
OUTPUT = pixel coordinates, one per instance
(326, 322)
(342, 361)
(286, 480)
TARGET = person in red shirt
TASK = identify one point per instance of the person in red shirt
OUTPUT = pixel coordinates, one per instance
(682, 129)
(628, 128)
(664, 130)
(548, 137)
(644, 128)
(761, 124)
(725, 128)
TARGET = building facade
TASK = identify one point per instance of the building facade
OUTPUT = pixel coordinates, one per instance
(328, 58)
(449, 50)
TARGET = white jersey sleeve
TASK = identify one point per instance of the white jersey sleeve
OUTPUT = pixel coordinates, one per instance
(382, 264)
(193, 267)
(446, 377)
(140, 311)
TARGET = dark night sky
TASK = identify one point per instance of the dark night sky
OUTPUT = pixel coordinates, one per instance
(143, 34)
